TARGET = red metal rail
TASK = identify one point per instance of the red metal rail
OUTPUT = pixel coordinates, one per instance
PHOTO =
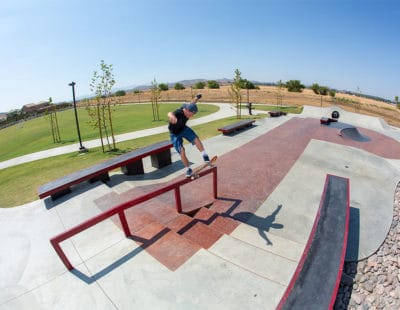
(120, 210)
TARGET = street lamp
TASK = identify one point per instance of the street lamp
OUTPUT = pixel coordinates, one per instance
(81, 147)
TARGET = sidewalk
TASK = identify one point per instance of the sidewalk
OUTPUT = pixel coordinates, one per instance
(225, 110)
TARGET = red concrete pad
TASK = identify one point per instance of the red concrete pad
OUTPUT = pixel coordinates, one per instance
(200, 234)
(166, 246)
(215, 221)
(136, 220)
(180, 222)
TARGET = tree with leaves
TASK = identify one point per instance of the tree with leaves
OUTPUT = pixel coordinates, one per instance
(247, 85)
(200, 85)
(279, 94)
(212, 84)
(235, 93)
(163, 86)
(100, 110)
(51, 114)
(137, 92)
(155, 97)
(294, 86)
(315, 88)
(179, 86)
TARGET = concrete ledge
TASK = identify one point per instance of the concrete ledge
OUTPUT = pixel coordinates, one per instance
(321, 264)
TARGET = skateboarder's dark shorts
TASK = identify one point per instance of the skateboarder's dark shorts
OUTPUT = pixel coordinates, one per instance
(177, 139)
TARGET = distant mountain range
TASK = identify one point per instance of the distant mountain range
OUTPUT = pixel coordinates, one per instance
(185, 83)
(223, 81)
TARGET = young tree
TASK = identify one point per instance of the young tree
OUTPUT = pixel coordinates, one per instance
(100, 111)
(155, 97)
(51, 114)
(137, 92)
(247, 85)
(235, 94)
(279, 94)
(357, 103)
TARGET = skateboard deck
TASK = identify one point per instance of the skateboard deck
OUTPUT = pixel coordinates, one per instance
(196, 171)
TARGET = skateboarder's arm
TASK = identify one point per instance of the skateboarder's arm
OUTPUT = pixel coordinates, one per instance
(172, 118)
(197, 98)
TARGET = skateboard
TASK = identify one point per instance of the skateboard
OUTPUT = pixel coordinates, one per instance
(196, 171)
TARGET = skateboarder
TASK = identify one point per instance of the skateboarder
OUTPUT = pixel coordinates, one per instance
(178, 130)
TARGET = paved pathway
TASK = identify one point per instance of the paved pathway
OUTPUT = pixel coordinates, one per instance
(224, 111)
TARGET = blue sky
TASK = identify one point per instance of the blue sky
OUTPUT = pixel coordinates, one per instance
(343, 44)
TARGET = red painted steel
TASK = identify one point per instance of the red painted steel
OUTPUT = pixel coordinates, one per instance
(178, 199)
(124, 223)
(215, 183)
(120, 209)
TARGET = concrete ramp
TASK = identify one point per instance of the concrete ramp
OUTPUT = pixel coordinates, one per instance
(353, 134)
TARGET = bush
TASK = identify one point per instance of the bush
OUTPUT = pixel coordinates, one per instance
(199, 85)
(323, 90)
(179, 86)
(163, 87)
(294, 86)
(119, 93)
(315, 88)
(212, 84)
(245, 84)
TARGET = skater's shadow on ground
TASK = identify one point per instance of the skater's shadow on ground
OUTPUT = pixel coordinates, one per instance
(262, 224)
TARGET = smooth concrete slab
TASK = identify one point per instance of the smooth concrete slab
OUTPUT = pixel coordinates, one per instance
(269, 241)
(249, 257)
(65, 291)
(205, 281)
(81, 207)
(372, 184)
(27, 259)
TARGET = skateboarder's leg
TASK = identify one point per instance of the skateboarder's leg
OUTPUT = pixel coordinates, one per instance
(177, 142)
(191, 136)
(198, 144)
(184, 159)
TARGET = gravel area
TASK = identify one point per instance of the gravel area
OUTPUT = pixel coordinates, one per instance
(374, 283)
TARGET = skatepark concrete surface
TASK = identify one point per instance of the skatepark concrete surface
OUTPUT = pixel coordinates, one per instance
(270, 182)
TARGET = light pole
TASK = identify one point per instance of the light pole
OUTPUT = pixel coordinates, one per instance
(81, 147)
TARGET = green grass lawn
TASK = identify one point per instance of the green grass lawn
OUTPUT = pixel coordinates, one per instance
(36, 135)
(18, 184)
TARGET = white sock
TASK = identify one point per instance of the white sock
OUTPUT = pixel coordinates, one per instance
(204, 153)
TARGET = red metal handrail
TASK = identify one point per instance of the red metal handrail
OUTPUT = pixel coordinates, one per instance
(120, 210)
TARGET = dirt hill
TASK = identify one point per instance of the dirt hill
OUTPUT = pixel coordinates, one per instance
(268, 95)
